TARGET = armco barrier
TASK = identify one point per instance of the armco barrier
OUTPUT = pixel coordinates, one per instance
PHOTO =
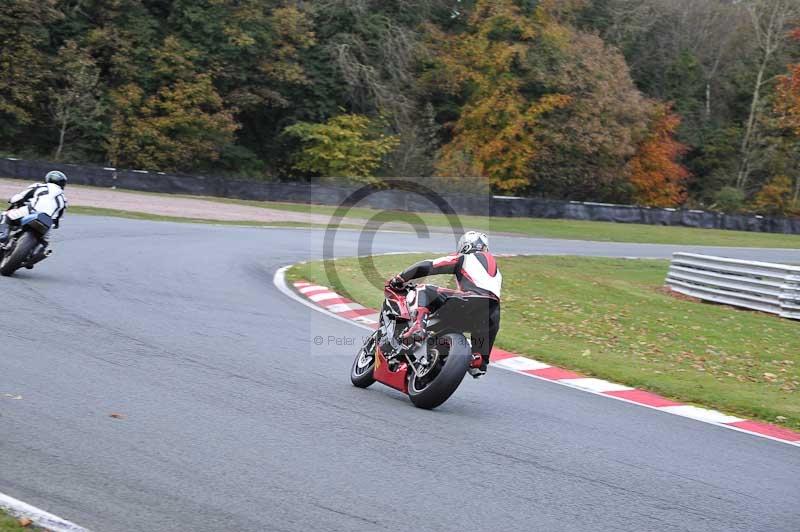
(773, 288)
(326, 194)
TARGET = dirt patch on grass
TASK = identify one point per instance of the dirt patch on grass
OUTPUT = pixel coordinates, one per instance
(666, 290)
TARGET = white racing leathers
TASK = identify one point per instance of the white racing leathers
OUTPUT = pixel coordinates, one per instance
(43, 197)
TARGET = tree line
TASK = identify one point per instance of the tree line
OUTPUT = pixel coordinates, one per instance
(685, 102)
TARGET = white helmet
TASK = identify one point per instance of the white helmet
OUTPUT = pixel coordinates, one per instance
(473, 241)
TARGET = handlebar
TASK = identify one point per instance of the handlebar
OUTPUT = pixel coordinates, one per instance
(407, 287)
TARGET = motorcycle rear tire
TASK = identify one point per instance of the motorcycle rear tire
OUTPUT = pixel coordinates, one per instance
(13, 261)
(449, 378)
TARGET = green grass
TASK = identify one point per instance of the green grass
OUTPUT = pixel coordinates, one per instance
(535, 227)
(11, 524)
(610, 318)
(567, 229)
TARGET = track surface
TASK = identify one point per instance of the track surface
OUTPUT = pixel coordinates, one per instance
(235, 420)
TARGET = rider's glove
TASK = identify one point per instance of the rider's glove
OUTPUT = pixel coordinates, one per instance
(396, 282)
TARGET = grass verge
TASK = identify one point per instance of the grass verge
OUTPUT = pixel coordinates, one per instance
(567, 229)
(534, 227)
(11, 524)
(610, 318)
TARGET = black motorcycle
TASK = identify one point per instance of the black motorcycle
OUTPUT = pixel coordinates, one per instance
(25, 243)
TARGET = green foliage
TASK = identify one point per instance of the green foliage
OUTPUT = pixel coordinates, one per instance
(24, 62)
(729, 200)
(75, 105)
(550, 98)
(345, 146)
(181, 126)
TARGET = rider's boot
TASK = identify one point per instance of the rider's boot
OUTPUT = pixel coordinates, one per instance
(478, 366)
(416, 331)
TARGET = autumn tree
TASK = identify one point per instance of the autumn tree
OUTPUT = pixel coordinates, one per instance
(348, 145)
(787, 109)
(713, 59)
(584, 146)
(775, 198)
(550, 98)
(658, 178)
(787, 99)
(493, 132)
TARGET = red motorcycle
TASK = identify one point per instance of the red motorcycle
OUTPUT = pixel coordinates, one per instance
(429, 369)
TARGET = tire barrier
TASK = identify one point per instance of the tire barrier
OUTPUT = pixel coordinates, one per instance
(328, 194)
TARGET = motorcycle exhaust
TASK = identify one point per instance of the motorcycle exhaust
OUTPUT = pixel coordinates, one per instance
(39, 257)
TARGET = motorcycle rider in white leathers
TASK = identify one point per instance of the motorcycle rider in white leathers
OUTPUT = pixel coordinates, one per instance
(47, 197)
(478, 279)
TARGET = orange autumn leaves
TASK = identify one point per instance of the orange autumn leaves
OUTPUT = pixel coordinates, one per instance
(787, 95)
(515, 110)
(657, 178)
(492, 136)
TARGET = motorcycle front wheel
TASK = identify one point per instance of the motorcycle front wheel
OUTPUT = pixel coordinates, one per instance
(13, 261)
(361, 374)
(438, 384)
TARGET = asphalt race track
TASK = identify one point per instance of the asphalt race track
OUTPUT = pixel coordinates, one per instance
(233, 419)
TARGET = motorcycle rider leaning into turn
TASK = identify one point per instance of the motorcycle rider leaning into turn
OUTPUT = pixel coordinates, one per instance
(478, 279)
(47, 197)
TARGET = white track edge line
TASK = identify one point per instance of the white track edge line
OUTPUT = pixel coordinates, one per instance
(38, 516)
(656, 408)
(279, 280)
(280, 283)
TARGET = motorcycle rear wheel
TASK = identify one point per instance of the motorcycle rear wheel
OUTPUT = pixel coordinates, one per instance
(428, 394)
(361, 374)
(13, 261)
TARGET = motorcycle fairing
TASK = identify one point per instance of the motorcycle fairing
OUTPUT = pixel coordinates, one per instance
(394, 379)
(397, 304)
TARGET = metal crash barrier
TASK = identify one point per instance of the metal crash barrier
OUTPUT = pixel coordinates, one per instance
(773, 288)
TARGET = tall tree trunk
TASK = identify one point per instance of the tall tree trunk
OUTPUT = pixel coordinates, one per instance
(796, 198)
(708, 100)
(61, 133)
(744, 167)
